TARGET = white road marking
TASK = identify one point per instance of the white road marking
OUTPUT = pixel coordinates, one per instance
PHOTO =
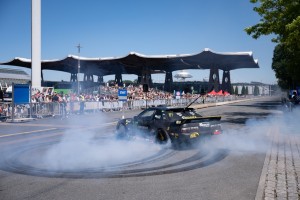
(60, 125)
(28, 132)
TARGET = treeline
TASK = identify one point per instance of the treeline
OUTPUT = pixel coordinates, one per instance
(245, 91)
(282, 19)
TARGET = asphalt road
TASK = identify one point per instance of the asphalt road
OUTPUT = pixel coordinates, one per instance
(79, 158)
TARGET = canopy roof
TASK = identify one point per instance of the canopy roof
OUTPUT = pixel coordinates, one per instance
(134, 63)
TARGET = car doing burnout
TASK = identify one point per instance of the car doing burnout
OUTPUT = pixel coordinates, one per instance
(161, 124)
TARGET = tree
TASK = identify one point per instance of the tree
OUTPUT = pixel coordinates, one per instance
(236, 91)
(278, 17)
(281, 18)
(128, 82)
(243, 90)
(256, 91)
(280, 67)
(246, 91)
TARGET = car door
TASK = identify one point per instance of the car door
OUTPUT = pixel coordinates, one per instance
(159, 120)
(145, 119)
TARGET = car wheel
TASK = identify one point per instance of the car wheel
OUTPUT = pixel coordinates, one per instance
(122, 132)
(161, 136)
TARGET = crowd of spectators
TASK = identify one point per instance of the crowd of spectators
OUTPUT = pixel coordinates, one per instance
(102, 93)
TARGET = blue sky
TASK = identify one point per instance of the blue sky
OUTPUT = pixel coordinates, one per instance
(108, 28)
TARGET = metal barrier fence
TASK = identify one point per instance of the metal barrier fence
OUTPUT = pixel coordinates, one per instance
(48, 109)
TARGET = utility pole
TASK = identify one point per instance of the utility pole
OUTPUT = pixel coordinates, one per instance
(36, 43)
(78, 70)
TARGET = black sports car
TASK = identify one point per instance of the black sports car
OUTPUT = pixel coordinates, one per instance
(161, 124)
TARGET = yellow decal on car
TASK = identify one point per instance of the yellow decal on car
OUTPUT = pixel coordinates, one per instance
(194, 135)
(189, 117)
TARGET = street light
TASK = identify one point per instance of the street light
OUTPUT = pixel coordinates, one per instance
(78, 70)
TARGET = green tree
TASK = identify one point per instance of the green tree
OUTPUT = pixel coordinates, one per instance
(127, 82)
(246, 91)
(236, 90)
(280, 67)
(282, 19)
(256, 91)
(243, 90)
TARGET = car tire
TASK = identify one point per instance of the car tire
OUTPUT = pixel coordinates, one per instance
(161, 136)
(122, 132)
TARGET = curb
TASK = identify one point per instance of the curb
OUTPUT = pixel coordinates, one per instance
(263, 176)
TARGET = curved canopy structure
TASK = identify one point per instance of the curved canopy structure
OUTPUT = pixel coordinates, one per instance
(142, 65)
(134, 62)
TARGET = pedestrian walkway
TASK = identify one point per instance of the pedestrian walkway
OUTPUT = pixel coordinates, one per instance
(280, 179)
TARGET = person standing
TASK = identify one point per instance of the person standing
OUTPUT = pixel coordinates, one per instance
(72, 100)
(54, 104)
(55, 97)
(82, 100)
(294, 98)
(1, 95)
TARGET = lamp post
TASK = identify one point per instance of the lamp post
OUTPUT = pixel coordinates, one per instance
(78, 69)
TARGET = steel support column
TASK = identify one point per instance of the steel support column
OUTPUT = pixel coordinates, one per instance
(118, 79)
(73, 77)
(100, 79)
(214, 82)
(88, 77)
(42, 76)
(168, 81)
(146, 78)
(139, 79)
(226, 83)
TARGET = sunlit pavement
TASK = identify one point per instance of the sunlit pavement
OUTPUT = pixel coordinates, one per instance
(280, 177)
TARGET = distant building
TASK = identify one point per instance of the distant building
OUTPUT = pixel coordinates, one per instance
(9, 76)
(263, 89)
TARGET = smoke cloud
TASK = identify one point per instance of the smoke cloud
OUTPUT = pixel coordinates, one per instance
(257, 134)
(80, 151)
(85, 149)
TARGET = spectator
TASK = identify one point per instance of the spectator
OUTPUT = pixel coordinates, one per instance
(82, 100)
(55, 100)
(72, 100)
(294, 98)
(1, 95)
(55, 97)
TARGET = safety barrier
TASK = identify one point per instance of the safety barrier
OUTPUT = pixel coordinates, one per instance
(48, 109)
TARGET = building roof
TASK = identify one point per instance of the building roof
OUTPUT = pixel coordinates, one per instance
(135, 63)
